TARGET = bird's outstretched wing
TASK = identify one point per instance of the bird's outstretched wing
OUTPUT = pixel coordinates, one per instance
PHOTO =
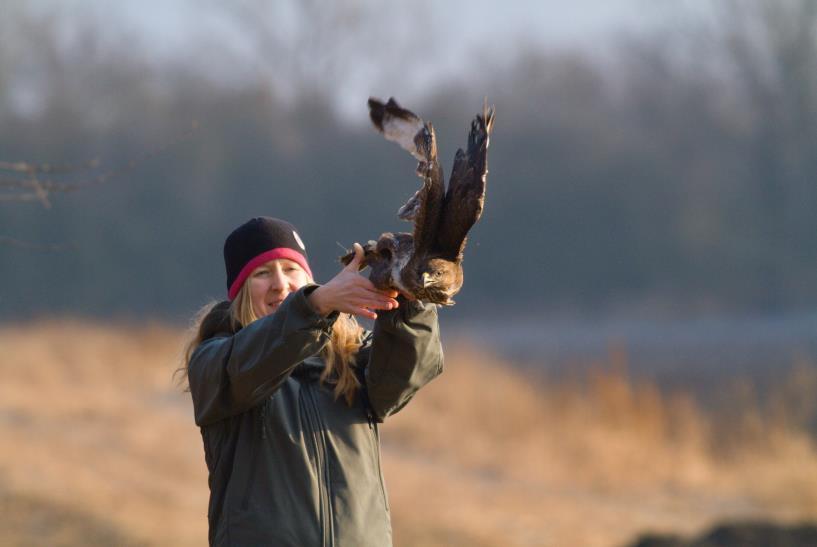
(463, 202)
(409, 131)
(397, 124)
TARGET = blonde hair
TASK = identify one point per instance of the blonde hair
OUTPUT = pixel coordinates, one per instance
(339, 354)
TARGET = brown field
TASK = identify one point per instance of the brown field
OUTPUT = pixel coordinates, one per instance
(98, 447)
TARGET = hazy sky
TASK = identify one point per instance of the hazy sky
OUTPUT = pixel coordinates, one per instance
(203, 35)
(546, 21)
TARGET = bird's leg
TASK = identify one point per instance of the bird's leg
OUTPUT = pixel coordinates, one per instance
(369, 249)
(407, 295)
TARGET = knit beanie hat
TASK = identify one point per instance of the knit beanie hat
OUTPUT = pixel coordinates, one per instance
(257, 241)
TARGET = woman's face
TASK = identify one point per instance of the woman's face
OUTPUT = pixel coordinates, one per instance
(271, 282)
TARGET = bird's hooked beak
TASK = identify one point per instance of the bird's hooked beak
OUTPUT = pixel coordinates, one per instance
(427, 280)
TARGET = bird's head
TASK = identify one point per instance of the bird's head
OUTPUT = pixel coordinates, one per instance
(440, 279)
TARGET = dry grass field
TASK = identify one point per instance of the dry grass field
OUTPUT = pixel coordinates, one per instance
(98, 447)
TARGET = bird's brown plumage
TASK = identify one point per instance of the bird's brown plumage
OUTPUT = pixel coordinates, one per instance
(465, 197)
(427, 264)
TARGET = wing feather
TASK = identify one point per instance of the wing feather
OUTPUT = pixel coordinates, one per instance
(464, 200)
(409, 210)
(397, 124)
(431, 194)
(417, 137)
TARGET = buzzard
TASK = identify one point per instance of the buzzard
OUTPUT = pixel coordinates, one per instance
(427, 264)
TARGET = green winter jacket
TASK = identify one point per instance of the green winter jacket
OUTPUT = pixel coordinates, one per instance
(288, 464)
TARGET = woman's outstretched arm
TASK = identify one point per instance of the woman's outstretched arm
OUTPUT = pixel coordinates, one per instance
(232, 373)
(405, 354)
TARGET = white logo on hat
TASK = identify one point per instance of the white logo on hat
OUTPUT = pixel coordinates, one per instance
(298, 239)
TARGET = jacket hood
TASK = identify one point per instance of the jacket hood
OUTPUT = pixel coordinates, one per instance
(217, 322)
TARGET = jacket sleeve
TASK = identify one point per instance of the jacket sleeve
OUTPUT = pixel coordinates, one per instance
(405, 354)
(231, 374)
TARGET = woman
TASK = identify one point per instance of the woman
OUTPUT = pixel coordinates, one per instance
(288, 391)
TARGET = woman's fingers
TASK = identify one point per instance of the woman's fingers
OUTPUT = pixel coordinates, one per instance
(378, 304)
(354, 265)
(364, 288)
(379, 300)
(370, 301)
(353, 293)
(364, 281)
(363, 312)
(388, 294)
(364, 303)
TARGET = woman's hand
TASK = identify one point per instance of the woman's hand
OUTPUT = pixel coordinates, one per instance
(350, 292)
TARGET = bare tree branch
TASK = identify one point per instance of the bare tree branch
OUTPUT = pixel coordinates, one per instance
(11, 242)
(19, 197)
(42, 187)
(42, 193)
(34, 188)
(28, 168)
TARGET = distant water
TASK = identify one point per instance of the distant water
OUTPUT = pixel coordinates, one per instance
(668, 350)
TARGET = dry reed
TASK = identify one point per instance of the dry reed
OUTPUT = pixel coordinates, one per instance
(91, 421)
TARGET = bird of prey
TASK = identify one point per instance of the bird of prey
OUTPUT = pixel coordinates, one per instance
(426, 265)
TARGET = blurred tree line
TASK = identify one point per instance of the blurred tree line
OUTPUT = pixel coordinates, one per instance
(672, 171)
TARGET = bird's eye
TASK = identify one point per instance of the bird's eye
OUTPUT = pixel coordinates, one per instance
(385, 254)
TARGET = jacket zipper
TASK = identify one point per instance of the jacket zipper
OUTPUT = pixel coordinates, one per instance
(376, 441)
(245, 500)
(322, 468)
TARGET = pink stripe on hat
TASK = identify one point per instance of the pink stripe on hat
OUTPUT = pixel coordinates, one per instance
(263, 258)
